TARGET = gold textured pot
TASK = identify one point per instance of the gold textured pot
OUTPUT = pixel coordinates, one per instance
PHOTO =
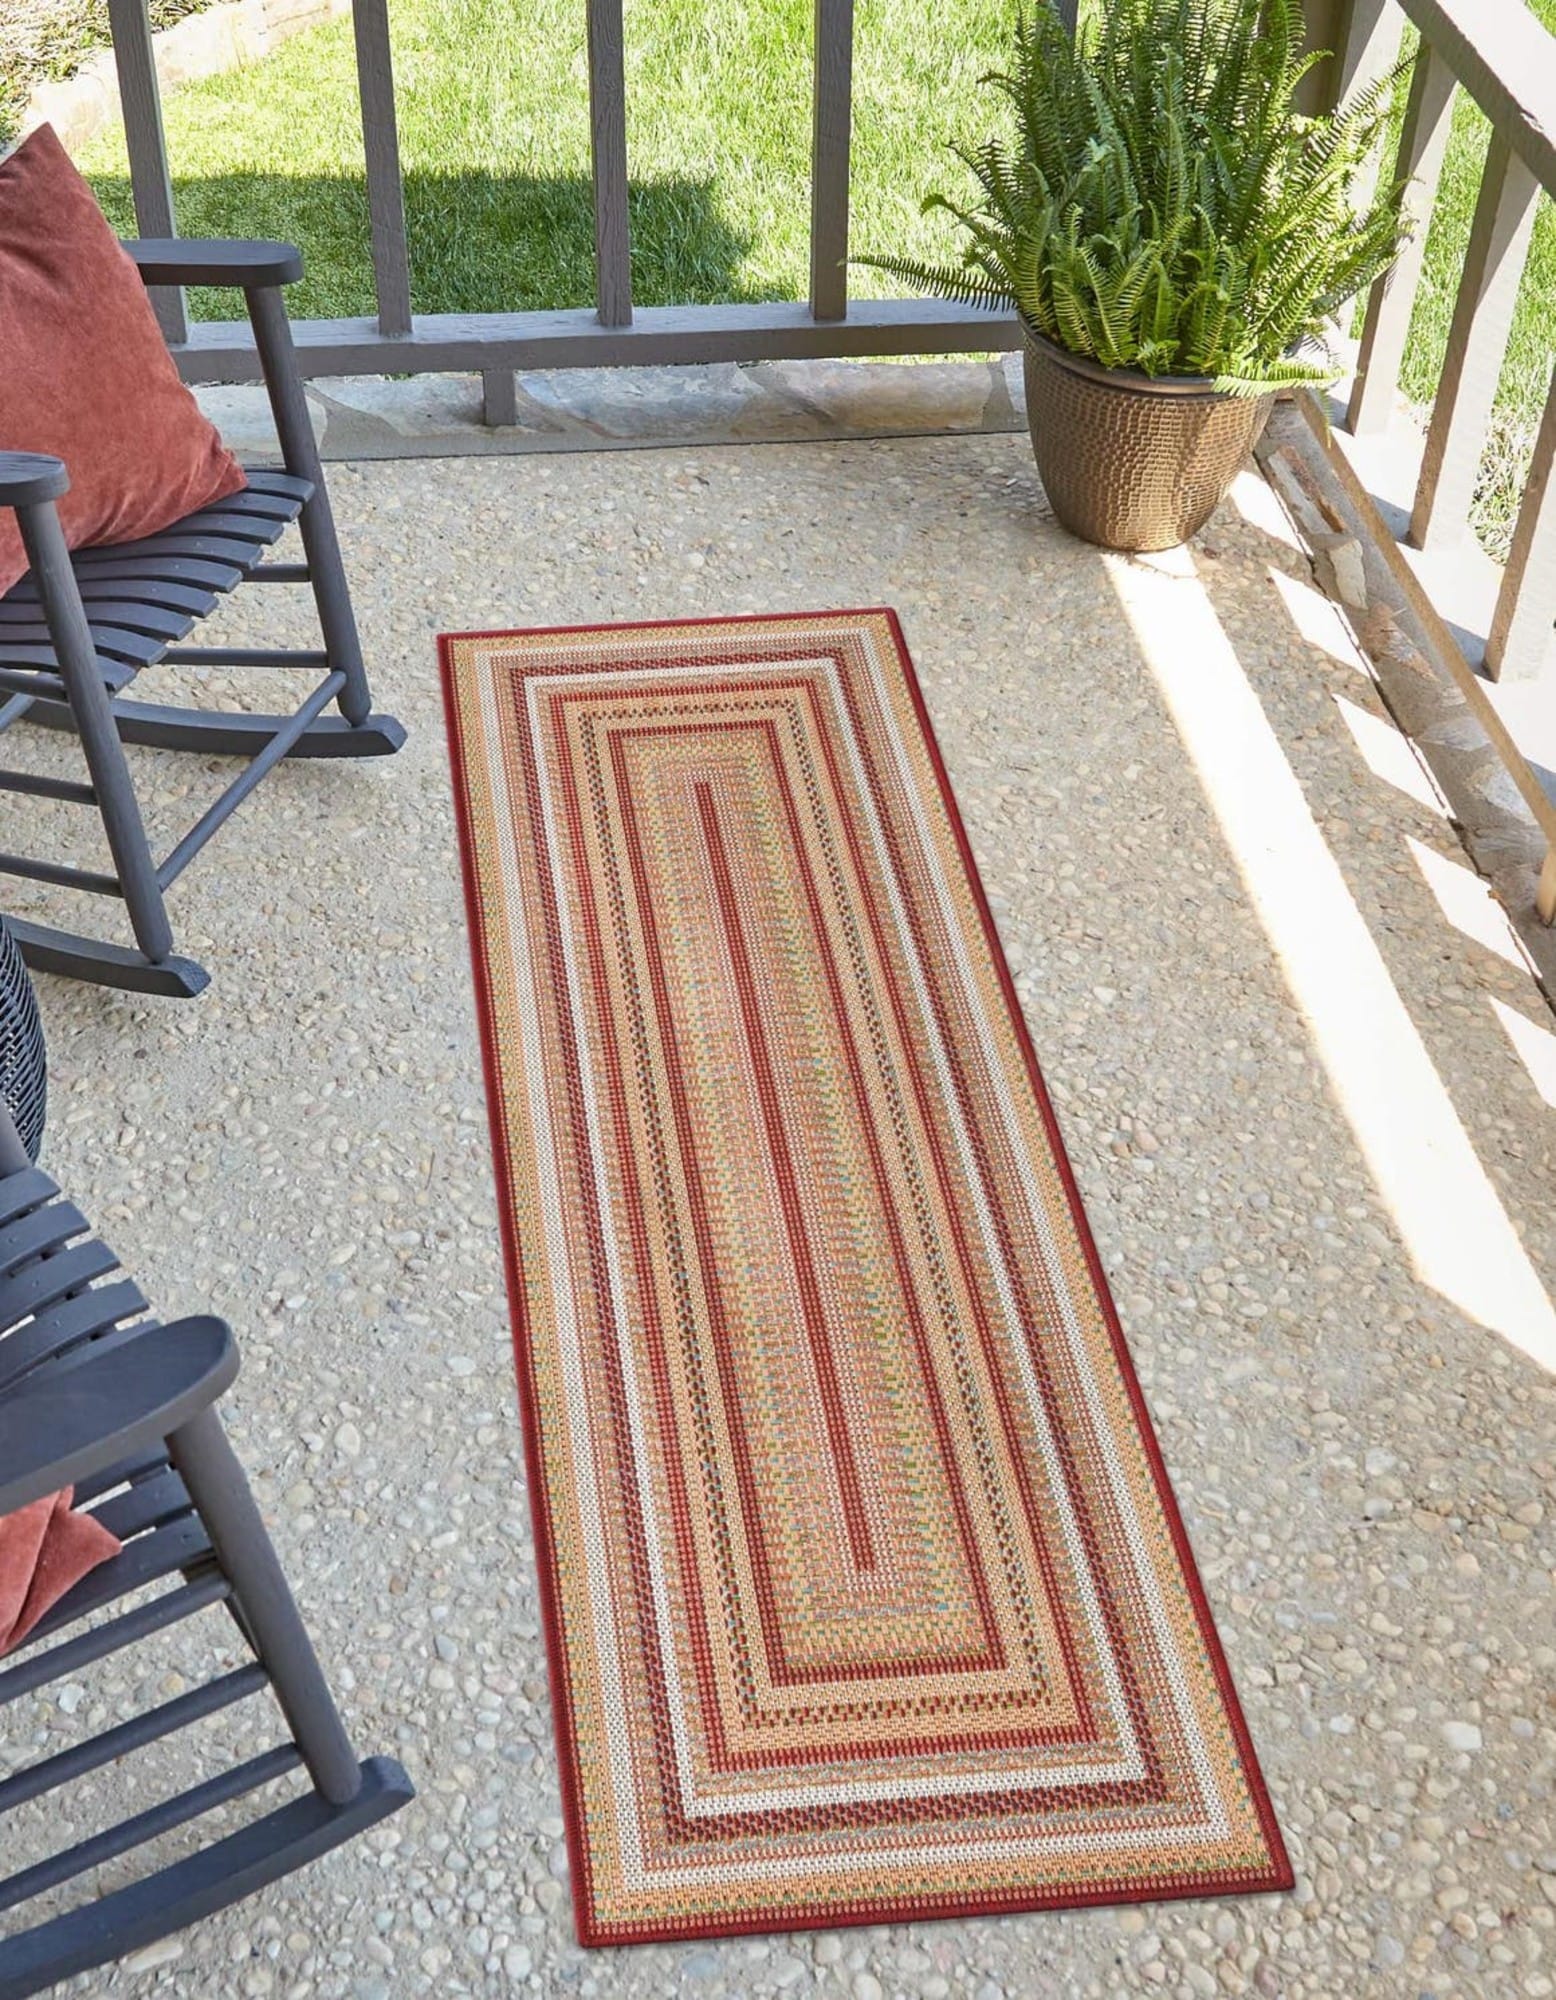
(1133, 461)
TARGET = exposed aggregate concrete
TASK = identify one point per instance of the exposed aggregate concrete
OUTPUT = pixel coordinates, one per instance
(1368, 1477)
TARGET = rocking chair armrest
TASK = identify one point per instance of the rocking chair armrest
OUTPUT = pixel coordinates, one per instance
(189, 260)
(28, 478)
(81, 1414)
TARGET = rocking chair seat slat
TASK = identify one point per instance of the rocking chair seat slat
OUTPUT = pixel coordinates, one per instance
(259, 504)
(40, 659)
(45, 1284)
(159, 621)
(111, 641)
(285, 485)
(62, 1326)
(123, 1472)
(119, 566)
(241, 528)
(148, 592)
(34, 1235)
(175, 541)
(25, 1191)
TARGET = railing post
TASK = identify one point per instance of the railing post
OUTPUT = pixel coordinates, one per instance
(145, 141)
(608, 146)
(1520, 639)
(1477, 342)
(381, 148)
(1423, 140)
(1362, 37)
(831, 134)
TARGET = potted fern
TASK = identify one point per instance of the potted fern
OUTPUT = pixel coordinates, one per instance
(1176, 238)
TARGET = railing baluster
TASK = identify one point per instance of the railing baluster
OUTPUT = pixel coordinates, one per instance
(1423, 140)
(831, 133)
(1368, 46)
(1477, 342)
(1362, 37)
(381, 146)
(1520, 638)
(608, 144)
(146, 143)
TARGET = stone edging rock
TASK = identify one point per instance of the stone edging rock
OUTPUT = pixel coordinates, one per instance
(221, 38)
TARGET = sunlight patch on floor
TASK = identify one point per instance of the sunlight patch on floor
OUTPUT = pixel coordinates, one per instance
(1536, 1048)
(1388, 755)
(1319, 620)
(1458, 1235)
(1256, 500)
(1468, 904)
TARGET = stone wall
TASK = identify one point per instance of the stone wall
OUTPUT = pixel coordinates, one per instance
(229, 34)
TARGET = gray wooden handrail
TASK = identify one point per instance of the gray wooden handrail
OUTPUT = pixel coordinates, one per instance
(1505, 59)
(1503, 56)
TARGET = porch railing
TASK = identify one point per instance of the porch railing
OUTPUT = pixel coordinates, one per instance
(613, 331)
(1505, 59)
(1495, 49)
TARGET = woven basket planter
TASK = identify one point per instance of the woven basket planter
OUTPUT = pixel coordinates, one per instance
(23, 1086)
(1133, 461)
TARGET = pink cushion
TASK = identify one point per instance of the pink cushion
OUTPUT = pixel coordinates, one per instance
(45, 1550)
(84, 371)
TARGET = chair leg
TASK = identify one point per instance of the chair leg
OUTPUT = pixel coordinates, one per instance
(215, 1480)
(289, 404)
(44, 541)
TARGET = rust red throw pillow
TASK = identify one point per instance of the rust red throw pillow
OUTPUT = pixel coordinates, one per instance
(84, 372)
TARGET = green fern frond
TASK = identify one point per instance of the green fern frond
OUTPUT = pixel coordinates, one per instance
(1157, 201)
(963, 284)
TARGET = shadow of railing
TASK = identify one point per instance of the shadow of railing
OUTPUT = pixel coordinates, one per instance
(1449, 1214)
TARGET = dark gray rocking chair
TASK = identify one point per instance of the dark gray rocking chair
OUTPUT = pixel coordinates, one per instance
(94, 1394)
(78, 629)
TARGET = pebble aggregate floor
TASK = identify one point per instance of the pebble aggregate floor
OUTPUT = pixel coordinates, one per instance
(1196, 918)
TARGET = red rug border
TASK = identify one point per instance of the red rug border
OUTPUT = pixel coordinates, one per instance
(1280, 1876)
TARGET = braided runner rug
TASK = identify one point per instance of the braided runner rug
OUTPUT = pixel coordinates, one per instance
(866, 1595)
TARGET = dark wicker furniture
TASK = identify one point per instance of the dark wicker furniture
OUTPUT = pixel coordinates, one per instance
(78, 629)
(23, 1074)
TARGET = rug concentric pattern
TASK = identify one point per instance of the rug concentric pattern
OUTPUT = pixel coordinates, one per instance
(866, 1595)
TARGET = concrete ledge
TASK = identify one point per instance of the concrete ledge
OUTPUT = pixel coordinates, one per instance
(606, 409)
(220, 38)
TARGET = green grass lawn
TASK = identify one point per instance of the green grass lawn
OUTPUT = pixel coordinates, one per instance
(493, 101)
